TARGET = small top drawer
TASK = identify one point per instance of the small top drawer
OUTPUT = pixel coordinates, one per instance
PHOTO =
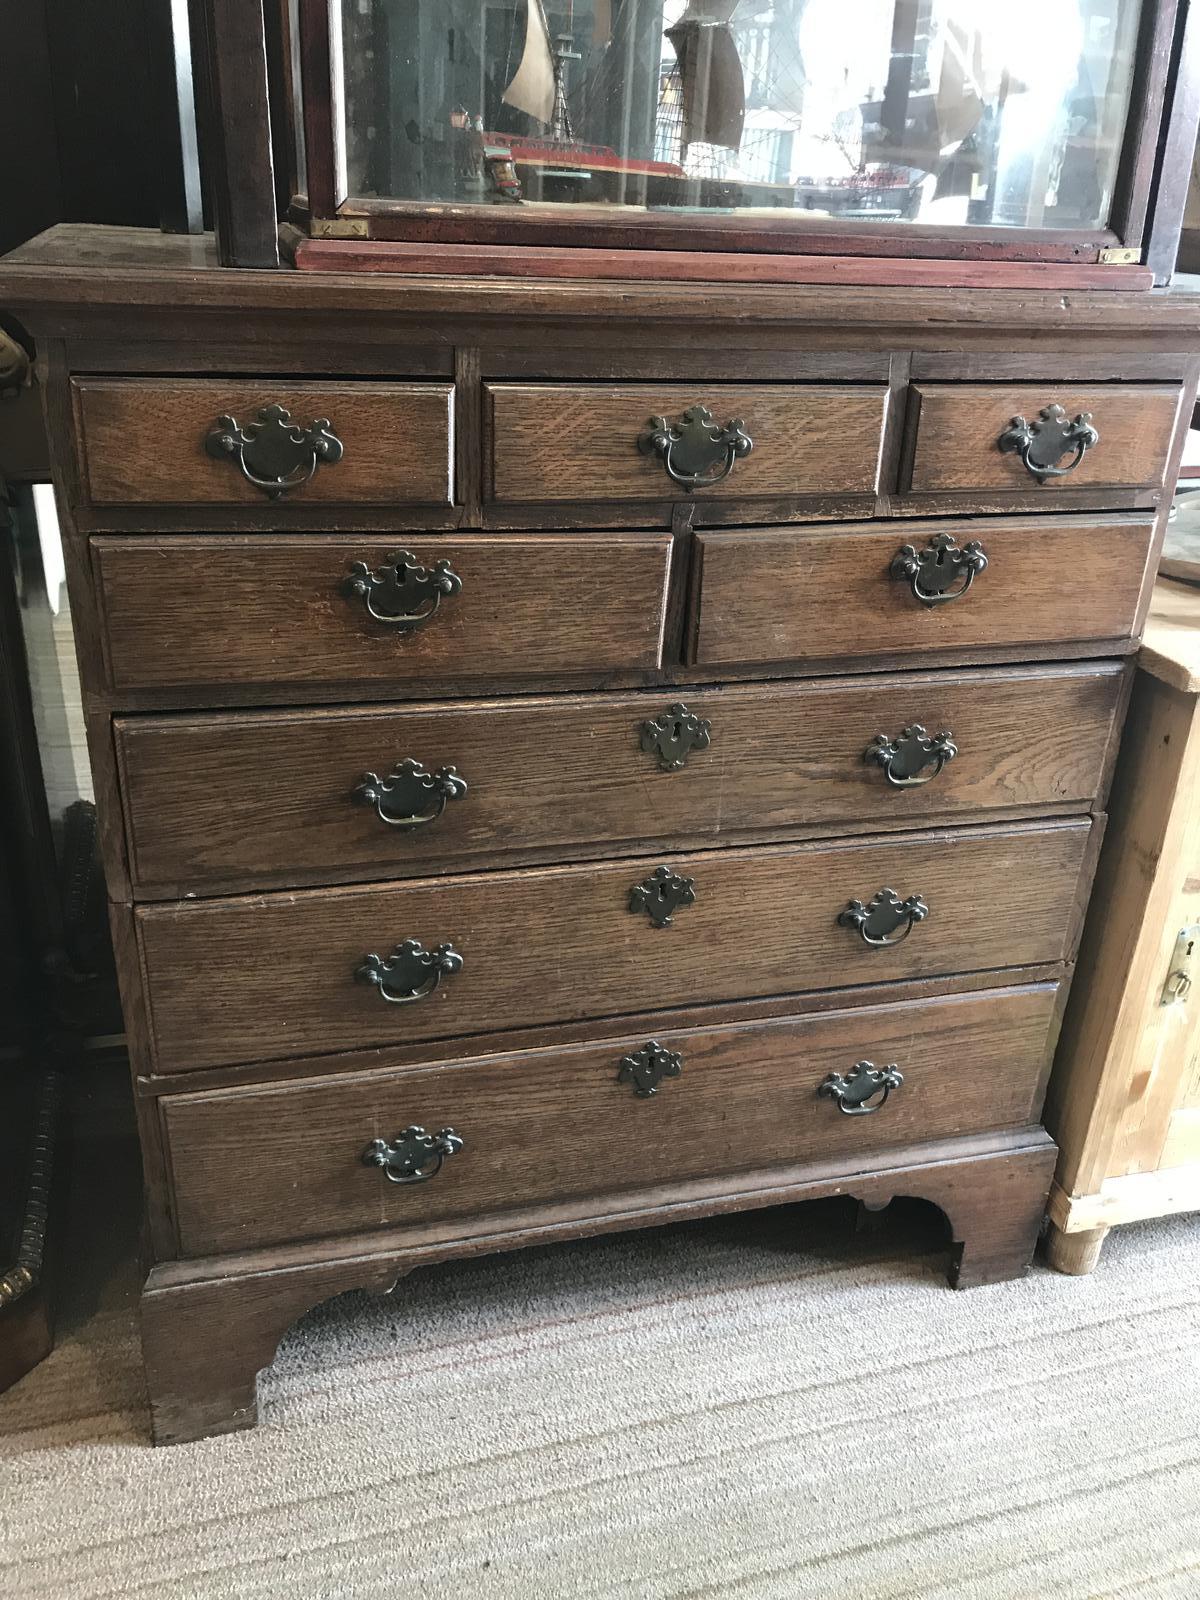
(189, 441)
(571, 441)
(972, 436)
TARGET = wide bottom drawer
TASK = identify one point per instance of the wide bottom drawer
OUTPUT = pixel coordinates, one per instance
(289, 1161)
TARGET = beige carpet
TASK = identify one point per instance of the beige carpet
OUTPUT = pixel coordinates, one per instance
(763, 1407)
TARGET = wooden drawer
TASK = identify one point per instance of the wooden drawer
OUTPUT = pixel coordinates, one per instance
(541, 1126)
(204, 612)
(830, 594)
(143, 441)
(573, 441)
(274, 976)
(283, 796)
(960, 426)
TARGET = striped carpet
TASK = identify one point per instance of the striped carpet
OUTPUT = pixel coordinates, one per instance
(769, 1408)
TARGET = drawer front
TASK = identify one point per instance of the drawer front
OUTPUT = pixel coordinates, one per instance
(147, 440)
(326, 970)
(204, 612)
(548, 1125)
(825, 594)
(966, 438)
(554, 441)
(288, 795)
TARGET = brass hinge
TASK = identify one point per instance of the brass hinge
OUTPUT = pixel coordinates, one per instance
(1120, 256)
(339, 228)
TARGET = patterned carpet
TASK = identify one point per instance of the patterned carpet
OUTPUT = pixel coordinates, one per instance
(766, 1408)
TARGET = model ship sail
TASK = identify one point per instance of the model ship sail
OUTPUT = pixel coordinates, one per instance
(710, 72)
(534, 84)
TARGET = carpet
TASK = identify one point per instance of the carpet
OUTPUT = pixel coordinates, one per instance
(766, 1407)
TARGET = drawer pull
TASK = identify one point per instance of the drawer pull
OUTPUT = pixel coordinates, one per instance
(409, 796)
(674, 735)
(1042, 444)
(878, 922)
(413, 1156)
(410, 972)
(661, 895)
(274, 453)
(646, 1068)
(856, 1091)
(402, 594)
(941, 571)
(694, 451)
(912, 759)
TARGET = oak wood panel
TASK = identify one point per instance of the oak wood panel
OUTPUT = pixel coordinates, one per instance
(1127, 1066)
(958, 426)
(275, 799)
(559, 441)
(560, 261)
(142, 440)
(273, 976)
(805, 594)
(73, 265)
(554, 1035)
(552, 1124)
(202, 612)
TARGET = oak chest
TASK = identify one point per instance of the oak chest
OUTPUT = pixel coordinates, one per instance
(574, 756)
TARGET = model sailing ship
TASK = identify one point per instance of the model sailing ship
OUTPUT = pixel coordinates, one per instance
(556, 165)
(702, 108)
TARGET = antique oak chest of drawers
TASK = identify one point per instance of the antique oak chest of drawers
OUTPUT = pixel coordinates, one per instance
(572, 757)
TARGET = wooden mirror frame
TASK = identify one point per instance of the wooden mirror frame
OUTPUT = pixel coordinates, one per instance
(248, 72)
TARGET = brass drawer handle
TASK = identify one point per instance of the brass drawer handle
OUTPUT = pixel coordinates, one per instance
(646, 1068)
(410, 972)
(878, 922)
(1041, 444)
(274, 453)
(862, 1090)
(673, 736)
(402, 594)
(912, 759)
(413, 1156)
(409, 797)
(694, 451)
(661, 895)
(941, 572)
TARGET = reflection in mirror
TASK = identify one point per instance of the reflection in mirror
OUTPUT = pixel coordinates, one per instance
(949, 112)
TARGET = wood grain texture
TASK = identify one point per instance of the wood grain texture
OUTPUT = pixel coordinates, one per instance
(1171, 645)
(1126, 1076)
(209, 1326)
(544, 1126)
(580, 441)
(234, 106)
(150, 1086)
(80, 266)
(804, 594)
(273, 976)
(562, 261)
(274, 804)
(958, 426)
(142, 440)
(207, 611)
